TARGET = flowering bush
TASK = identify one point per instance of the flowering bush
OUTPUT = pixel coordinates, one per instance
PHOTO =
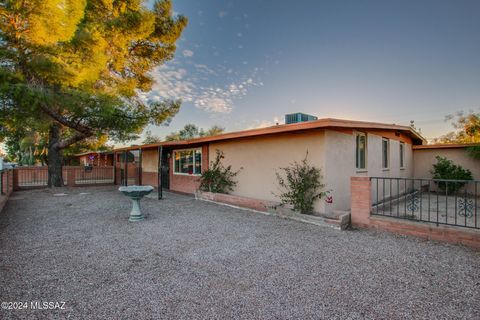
(218, 178)
(301, 185)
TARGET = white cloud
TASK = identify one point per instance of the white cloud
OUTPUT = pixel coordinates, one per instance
(222, 13)
(175, 82)
(187, 53)
(261, 124)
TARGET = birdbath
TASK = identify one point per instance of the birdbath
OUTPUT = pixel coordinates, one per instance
(136, 193)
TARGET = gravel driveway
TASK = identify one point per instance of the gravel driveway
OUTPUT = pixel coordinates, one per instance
(198, 260)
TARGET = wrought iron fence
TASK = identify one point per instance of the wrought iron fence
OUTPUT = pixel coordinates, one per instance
(32, 177)
(447, 202)
(94, 175)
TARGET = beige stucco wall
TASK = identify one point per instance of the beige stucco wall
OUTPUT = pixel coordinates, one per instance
(150, 160)
(340, 164)
(261, 157)
(425, 158)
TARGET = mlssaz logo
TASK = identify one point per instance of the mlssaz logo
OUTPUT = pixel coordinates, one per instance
(47, 305)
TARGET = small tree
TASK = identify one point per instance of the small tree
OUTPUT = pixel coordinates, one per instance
(302, 185)
(446, 169)
(474, 152)
(151, 138)
(218, 178)
(467, 128)
(76, 70)
(191, 131)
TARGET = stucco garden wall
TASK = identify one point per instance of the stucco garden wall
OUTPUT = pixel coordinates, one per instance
(425, 158)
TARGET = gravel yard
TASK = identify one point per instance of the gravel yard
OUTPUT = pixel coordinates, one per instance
(193, 259)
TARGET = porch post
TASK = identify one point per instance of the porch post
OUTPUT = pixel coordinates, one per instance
(159, 173)
(125, 168)
(114, 168)
(140, 166)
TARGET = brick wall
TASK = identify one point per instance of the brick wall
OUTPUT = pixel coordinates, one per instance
(360, 216)
(361, 201)
(244, 202)
(150, 178)
(7, 187)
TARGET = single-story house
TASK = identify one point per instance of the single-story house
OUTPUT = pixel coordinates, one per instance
(96, 158)
(341, 148)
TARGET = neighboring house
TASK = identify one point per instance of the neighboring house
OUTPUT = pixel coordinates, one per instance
(96, 159)
(341, 148)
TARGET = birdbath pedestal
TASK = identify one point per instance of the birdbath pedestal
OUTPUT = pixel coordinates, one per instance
(136, 193)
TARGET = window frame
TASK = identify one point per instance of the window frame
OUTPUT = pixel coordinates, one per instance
(402, 154)
(387, 159)
(357, 151)
(194, 162)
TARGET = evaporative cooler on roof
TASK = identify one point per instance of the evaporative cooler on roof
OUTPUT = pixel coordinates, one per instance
(298, 117)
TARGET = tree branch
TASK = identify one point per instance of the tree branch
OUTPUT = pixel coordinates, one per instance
(75, 138)
(62, 120)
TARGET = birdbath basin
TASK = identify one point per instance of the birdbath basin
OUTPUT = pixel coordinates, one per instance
(136, 193)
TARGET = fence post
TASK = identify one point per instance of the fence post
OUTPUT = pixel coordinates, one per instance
(361, 201)
(71, 176)
(1, 182)
(15, 179)
(10, 180)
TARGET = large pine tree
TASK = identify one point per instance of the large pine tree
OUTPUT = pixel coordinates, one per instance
(74, 68)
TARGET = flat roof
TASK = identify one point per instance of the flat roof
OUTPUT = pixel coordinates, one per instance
(285, 128)
(93, 152)
(445, 146)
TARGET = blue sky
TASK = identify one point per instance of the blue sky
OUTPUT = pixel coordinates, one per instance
(243, 64)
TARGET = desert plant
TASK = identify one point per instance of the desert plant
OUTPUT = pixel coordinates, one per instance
(218, 178)
(301, 185)
(446, 169)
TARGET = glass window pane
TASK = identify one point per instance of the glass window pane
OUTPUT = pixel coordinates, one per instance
(361, 151)
(402, 150)
(177, 161)
(385, 153)
(198, 161)
(357, 163)
(186, 161)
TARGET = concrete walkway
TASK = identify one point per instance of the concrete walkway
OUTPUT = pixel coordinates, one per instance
(198, 260)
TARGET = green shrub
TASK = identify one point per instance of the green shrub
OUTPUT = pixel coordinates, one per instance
(301, 185)
(217, 178)
(446, 169)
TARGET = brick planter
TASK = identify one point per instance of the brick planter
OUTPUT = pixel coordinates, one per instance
(339, 221)
(244, 202)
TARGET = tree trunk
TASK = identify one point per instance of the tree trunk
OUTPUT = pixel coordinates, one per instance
(55, 157)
